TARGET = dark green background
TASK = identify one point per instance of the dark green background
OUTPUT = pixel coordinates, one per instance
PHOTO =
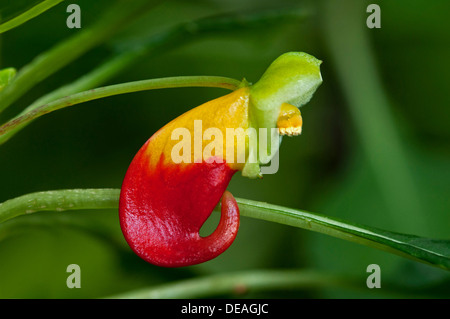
(325, 170)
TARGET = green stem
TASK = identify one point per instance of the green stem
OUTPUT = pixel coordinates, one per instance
(60, 200)
(86, 82)
(161, 83)
(175, 36)
(28, 15)
(121, 13)
(432, 252)
(239, 283)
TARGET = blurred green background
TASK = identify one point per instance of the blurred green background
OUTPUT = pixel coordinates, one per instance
(374, 148)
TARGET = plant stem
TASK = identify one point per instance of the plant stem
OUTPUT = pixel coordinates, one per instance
(432, 252)
(60, 200)
(239, 283)
(86, 82)
(28, 15)
(173, 37)
(121, 13)
(161, 83)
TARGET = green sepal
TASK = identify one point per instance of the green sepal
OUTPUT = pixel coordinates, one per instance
(292, 78)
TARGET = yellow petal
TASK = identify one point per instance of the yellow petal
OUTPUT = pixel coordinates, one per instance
(226, 112)
(289, 120)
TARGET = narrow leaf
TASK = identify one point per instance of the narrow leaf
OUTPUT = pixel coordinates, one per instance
(429, 251)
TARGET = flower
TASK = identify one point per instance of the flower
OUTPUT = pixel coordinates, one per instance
(181, 173)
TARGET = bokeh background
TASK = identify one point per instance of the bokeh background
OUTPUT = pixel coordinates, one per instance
(374, 148)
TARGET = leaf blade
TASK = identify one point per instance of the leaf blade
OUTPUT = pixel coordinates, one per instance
(431, 251)
(426, 250)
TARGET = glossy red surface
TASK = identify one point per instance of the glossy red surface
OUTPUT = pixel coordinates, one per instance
(163, 207)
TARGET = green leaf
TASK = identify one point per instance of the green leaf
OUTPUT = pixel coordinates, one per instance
(6, 75)
(29, 14)
(118, 15)
(239, 282)
(131, 51)
(430, 251)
